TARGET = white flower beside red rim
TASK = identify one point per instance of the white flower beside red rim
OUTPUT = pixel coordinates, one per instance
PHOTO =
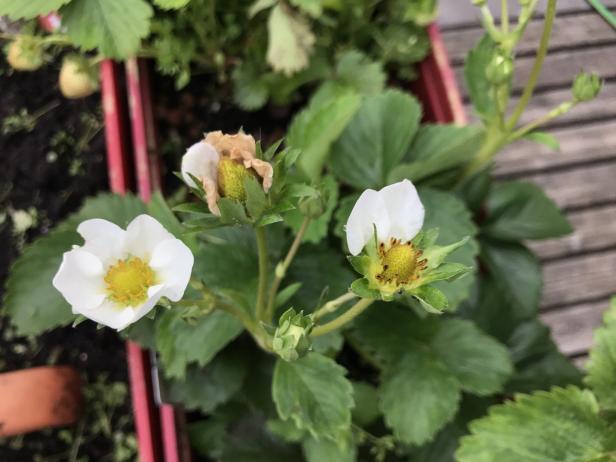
(117, 276)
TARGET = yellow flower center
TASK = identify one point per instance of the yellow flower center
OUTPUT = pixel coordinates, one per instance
(400, 263)
(128, 281)
(231, 175)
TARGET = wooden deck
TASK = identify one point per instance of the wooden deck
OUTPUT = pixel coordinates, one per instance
(579, 270)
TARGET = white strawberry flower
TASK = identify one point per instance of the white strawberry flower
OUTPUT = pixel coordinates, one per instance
(117, 276)
(396, 212)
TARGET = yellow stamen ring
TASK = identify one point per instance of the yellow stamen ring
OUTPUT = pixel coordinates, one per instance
(400, 262)
(128, 282)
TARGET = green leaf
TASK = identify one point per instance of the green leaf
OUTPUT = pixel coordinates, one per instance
(366, 409)
(114, 27)
(359, 72)
(516, 272)
(437, 148)
(324, 275)
(519, 210)
(376, 139)
(205, 389)
(31, 301)
(315, 128)
(479, 88)
(207, 437)
(481, 364)
(561, 425)
(602, 366)
(290, 41)
(180, 343)
(538, 362)
(29, 9)
(547, 139)
(418, 396)
(447, 213)
(314, 392)
(171, 4)
(33, 304)
(323, 450)
(159, 209)
(250, 89)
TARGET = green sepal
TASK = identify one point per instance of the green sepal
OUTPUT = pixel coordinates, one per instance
(361, 263)
(198, 208)
(436, 254)
(445, 272)
(426, 238)
(256, 200)
(361, 288)
(432, 299)
(232, 212)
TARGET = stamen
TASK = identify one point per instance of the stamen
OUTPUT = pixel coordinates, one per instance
(128, 281)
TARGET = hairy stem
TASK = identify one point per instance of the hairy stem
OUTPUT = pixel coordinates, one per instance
(344, 318)
(333, 305)
(263, 269)
(282, 268)
(538, 64)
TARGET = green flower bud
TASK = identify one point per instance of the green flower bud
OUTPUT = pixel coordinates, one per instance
(499, 69)
(586, 86)
(292, 337)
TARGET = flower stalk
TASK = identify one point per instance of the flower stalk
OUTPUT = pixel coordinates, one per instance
(344, 318)
(263, 273)
(282, 267)
(333, 305)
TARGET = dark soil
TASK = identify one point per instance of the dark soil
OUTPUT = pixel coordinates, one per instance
(49, 165)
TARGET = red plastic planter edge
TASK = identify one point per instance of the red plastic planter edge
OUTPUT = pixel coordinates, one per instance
(157, 430)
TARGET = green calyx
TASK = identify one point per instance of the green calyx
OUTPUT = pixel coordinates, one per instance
(292, 337)
(407, 269)
(231, 176)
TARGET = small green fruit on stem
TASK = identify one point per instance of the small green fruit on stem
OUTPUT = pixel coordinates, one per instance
(77, 78)
(586, 86)
(24, 54)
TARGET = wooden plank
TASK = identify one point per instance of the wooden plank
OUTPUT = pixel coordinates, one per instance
(580, 187)
(457, 13)
(572, 328)
(594, 229)
(579, 278)
(584, 143)
(581, 30)
(560, 68)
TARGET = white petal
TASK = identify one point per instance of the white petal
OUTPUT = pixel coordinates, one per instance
(201, 161)
(172, 261)
(103, 239)
(143, 234)
(109, 314)
(404, 208)
(80, 279)
(369, 211)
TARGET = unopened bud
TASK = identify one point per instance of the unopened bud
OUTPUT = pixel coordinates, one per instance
(292, 337)
(586, 86)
